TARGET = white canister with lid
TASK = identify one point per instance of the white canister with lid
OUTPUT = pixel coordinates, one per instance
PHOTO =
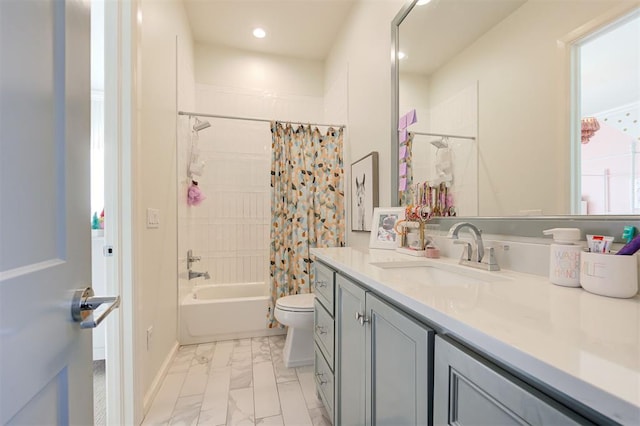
(564, 256)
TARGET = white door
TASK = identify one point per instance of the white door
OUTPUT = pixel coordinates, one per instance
(45, 357)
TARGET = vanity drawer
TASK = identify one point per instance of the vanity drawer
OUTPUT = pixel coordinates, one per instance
(324, 381)
(323, 285)
(323, 331)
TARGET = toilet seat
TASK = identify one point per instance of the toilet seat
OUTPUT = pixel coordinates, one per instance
(296, 303)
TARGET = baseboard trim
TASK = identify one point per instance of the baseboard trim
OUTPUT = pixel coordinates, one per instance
(157, 381)
(197, 340)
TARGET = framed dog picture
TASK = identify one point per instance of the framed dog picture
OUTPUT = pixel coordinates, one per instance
(364, 191)
(384, 234)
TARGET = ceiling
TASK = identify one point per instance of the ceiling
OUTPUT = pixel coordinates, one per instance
(296, 28)
(429, 40)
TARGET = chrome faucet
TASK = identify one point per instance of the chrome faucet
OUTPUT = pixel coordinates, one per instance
(476, 252)
(193, 274)
(474, 255)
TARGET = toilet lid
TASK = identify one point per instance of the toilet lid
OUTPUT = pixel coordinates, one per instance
(296, 302)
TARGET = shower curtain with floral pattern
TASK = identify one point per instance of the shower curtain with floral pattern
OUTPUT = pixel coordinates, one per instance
(307, 205)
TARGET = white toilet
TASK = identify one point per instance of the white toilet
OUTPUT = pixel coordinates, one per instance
(296, 312)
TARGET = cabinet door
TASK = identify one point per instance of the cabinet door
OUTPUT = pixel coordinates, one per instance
(350, 353)
(399, 379)
(472, 391)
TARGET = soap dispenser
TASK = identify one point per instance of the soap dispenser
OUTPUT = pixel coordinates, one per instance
(564, 256)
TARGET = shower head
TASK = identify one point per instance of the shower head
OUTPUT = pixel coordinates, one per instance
(441, 143)
(200, 125)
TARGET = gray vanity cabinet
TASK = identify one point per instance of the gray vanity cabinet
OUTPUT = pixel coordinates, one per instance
(323, 334)
(469, 390)
(383, 361)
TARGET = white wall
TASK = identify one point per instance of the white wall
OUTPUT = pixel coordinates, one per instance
(413, 93)
(360, 63)
(162, 74)
(228, 67)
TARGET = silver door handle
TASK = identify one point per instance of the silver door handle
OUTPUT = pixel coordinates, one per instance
(362, 318)
(320, 283)
(84, 303)
(321, 329)
(320, 380)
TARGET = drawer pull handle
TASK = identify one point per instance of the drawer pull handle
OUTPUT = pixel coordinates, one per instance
(320, 283)
(362, 318)
(320, 380)
(321, 329)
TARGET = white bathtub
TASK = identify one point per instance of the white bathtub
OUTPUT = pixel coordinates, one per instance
(224, 311)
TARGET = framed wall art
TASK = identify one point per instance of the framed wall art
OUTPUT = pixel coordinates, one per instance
(364, 191)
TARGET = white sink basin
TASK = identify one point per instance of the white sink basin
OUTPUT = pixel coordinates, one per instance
(443, 272)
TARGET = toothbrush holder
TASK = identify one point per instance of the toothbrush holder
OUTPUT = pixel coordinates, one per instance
(609, 275)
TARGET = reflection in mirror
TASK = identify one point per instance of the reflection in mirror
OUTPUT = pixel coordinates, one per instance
(514, 79)
(609, 111)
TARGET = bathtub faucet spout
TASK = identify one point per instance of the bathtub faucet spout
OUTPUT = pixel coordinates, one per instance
(193, 274)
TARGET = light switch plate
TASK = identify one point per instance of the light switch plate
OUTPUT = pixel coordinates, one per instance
(153, 218)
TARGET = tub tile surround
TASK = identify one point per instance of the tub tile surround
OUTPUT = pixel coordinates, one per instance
(580, 344)
(236, 382)
(230, 229)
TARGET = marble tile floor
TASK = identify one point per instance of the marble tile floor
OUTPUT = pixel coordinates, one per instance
(236, 382)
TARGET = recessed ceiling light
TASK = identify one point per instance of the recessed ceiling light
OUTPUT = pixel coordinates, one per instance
(422, 2)
(259, 33)
(401, 55)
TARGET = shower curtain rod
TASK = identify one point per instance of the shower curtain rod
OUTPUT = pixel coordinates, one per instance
(232, 117)
(444, 136)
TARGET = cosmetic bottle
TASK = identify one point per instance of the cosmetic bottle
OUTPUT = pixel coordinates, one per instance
(564, 256)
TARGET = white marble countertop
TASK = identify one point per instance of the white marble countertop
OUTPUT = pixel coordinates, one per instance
(585, 346)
